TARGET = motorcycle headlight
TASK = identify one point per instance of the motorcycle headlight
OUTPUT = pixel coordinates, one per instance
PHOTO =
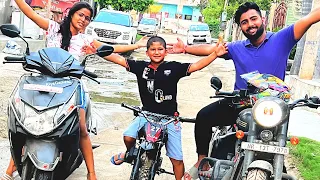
(270, 111)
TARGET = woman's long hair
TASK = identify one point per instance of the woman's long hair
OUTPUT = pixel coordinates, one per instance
(65, 25)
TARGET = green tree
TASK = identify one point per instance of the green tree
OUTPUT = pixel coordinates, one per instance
(126, 5)
(215, 7)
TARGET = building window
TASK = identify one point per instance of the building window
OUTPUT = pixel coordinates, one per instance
(188, 17)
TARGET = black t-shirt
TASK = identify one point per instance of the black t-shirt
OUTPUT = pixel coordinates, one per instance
(158, 88)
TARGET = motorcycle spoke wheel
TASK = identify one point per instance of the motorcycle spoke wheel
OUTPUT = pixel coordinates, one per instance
(257, 174)
(146, 164)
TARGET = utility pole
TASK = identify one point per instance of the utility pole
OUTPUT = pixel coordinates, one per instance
(223, 22)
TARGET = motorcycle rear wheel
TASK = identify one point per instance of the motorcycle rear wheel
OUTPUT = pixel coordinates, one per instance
(257, 174)
(146, 164)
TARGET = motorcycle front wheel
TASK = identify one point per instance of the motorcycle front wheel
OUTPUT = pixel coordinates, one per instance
(257, 174)
(146, 164)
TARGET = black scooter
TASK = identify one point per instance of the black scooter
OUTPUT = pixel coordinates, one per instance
(43, 118)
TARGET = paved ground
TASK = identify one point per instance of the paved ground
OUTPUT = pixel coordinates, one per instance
(193, 94)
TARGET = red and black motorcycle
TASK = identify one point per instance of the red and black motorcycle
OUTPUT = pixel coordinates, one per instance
(145, 156)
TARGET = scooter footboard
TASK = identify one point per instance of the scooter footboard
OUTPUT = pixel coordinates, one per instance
(44, 154)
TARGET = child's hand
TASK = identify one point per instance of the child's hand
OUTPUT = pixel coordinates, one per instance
(89, 49)
(142, 42)
(221, 49)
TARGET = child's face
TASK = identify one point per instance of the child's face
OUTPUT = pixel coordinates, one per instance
(156, 52)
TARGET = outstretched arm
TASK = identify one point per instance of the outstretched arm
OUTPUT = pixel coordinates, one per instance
(198, 50)
(218, 50)
(42, 22)
(116, 58)
(125, 48)
(302, 25)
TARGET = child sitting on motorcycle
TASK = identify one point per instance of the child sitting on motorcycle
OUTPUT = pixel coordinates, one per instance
(157, 81)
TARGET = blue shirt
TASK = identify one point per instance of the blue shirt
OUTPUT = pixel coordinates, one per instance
(269, 58)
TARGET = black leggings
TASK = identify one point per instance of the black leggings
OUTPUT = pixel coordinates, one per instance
(218, 113)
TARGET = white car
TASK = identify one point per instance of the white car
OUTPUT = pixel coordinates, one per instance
(199, 33)
(113, 27)
(148, 26)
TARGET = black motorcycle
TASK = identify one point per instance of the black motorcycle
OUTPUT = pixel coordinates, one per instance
(43, 120)
(145, 156)
(255, 149)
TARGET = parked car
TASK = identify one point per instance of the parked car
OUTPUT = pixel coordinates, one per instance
(148, 26)
(113, 27)
(199, 33)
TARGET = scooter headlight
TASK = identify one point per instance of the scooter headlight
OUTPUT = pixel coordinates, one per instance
(270, 111)
(38, 123)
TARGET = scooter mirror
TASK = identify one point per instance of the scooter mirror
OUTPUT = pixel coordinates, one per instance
(104, 50)
(10, 30)
(216, 83)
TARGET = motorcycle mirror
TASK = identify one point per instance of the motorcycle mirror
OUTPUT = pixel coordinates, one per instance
(10, 30)
(216, 83)
(104, 50)
(315, 99)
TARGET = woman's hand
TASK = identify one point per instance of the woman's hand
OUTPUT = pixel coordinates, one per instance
(89, 49)
(142, 42)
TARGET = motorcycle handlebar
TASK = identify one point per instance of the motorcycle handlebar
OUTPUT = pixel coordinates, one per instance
(304, 102)
(146, 113)
(10, 58)
(91, 74)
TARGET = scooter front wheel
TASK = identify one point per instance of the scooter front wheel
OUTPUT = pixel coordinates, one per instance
(30, 172)
(27, 170)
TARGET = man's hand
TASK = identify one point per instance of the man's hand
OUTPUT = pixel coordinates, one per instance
(176, 48)
(142, 42)
(221, 49)
(89, 49)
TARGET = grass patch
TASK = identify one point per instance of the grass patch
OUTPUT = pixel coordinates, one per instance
(96, 97)
(306, 156)
(126, 94)
(133, 81)
(138, 37)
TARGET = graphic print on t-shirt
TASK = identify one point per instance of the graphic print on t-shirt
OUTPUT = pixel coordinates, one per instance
(159, 97)
(145, 73)
(150, 85)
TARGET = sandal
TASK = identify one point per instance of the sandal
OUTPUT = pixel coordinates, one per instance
(116, 162)
(191, 174)
(6, 177)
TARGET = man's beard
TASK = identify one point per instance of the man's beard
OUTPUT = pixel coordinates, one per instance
(254, 37)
